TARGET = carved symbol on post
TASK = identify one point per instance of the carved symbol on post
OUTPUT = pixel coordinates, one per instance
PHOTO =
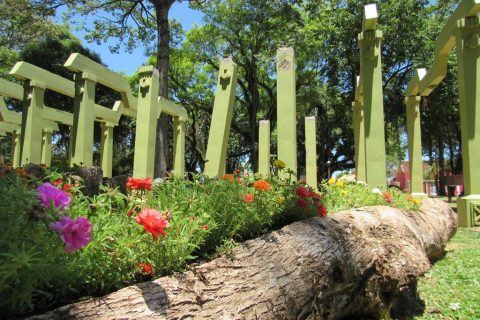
(225, 78)
(144, 86)
(284, 64)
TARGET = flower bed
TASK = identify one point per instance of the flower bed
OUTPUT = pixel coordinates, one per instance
(58, 245)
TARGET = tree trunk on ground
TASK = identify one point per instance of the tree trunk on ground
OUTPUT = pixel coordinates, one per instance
(358, 263)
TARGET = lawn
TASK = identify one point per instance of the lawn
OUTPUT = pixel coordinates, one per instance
(451, 289)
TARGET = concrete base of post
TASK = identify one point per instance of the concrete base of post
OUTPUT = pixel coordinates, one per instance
(469, 211)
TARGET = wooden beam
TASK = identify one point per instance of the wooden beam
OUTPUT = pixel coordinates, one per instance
(58, 115)
(11, 90)
(171, 108)
(413, 85)
(24, 70)
(79, 63)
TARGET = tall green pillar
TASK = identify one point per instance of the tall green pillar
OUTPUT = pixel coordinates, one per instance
(414, 146)
(264, 148)
(371, 77)
(47, 146)
(106, 148)
(286, 109)
(83, 119)
(221, 119)
(147, 115)
(32, 122)
(179, 146)
(311, 152)
(359, 136)
(468, 55)
(16, 150)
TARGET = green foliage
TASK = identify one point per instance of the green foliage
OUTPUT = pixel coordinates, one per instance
(450, 287)
(342, 195)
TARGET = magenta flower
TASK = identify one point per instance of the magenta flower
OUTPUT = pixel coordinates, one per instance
(49, 194)
(75, 233)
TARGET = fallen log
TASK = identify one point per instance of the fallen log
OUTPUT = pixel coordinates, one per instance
(360, 263)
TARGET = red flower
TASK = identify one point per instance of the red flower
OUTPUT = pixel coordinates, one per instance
(139, 184)
(146, 268)
(153, 222)
(315, 196)
(303, 192)
(239, 181)
(205, 227)
(388, 197)
(302, 203)
(130, 213)
(322, 211)
(262, 185)
(237, 171)
(248, 197)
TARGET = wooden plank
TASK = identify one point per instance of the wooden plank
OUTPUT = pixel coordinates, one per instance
(9, 115)
(11, 90)
(107, 115)
(58, 115)
(26, 71)
(79, 63)
(8, 127)
(413, 84)
(172, 108)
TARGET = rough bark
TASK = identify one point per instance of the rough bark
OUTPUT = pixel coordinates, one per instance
(361, 263)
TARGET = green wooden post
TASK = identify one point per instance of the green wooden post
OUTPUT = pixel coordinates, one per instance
(83, 119)
(179, 146)
(371, 78)
(468, 55)
(32, 122)
(147, 115)
(106, 148)
(47, 147)
(359, 135)
(286, 109)
(414, 146)
(71, 143)
(311, 152)
(221, 119)
(16, 151)
(264, 148)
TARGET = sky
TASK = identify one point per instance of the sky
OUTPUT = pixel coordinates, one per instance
(128, 63)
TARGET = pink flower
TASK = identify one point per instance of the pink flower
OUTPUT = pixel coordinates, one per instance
(75, 233)
(153, 222)
(205, 227)
(49, 194)
(248, 197)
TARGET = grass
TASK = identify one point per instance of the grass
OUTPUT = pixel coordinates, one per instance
(451, 288)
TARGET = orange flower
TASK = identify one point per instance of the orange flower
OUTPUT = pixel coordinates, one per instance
(388, 197)
(228, 177)
(262, 185)
(205, 227)
(139, 184)
(248, 197)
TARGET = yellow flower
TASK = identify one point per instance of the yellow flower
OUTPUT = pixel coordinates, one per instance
(280, 199)
(279, 164)
(340, 183)
(416, 201)
(331, 181)
(343, 192)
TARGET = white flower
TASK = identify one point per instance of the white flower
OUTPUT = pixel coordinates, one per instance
(376, 191)
(454, 306)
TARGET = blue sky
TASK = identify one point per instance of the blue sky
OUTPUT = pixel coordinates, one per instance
(129, 62)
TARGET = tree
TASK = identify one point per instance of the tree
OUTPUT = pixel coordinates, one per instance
(134, 23)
